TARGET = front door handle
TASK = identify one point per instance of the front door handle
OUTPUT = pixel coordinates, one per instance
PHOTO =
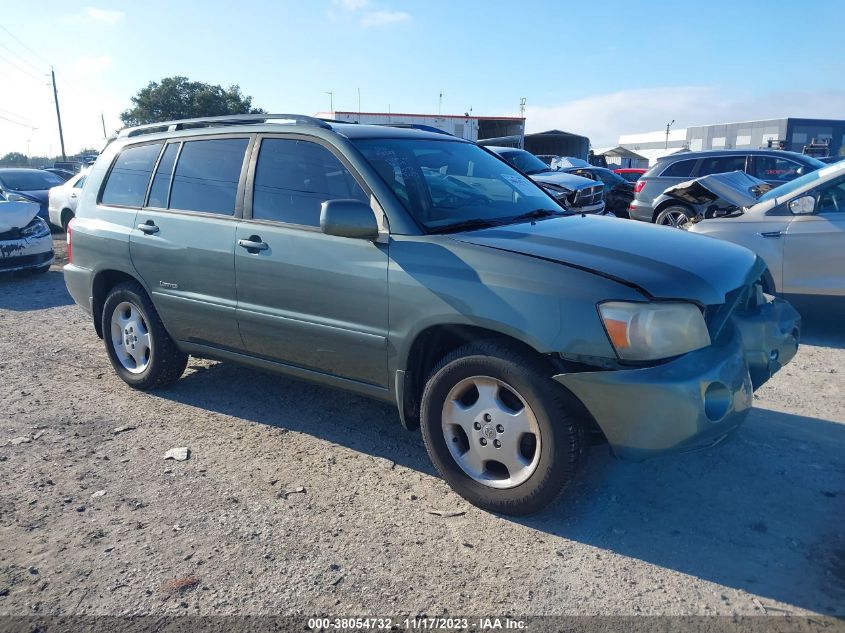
(148, 227)
(772, 234)
(254, 243)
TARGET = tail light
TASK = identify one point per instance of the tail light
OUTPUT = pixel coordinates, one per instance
(69, 246)
(638, 186)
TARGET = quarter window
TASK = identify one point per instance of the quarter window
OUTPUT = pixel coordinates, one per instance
(207, 175)
(721, 165)
(680, 169)
(293, 178)
(127, 182)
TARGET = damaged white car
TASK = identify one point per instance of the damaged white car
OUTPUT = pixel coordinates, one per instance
(25, 240)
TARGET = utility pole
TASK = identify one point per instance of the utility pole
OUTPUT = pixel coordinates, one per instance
(103, 121)
(331, 101)
(440, 104)
(668, 125)
(359, 105)
(522, 116)
(58, 113)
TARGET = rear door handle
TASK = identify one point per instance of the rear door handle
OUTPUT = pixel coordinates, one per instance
(254, 243)
(148, 227)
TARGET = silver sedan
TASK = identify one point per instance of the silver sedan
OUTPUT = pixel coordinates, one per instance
(797, 228)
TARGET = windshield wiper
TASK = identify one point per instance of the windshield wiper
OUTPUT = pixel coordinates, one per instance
(536, 214)
(472, 223)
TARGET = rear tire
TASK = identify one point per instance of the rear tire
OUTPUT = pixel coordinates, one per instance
(674, 215)
(488, 397)
(139, 348)
(67, 216)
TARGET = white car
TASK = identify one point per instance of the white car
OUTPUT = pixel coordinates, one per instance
(25, 240)
(63, 200)
(797, 228)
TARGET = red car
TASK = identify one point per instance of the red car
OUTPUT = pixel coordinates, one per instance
(631, 174)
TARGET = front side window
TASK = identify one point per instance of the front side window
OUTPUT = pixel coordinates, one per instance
(831, 197)
(448, 183)
(293, 178)
(775, 168)
(207, 175)
(721, 165)
(680, 169)
(127, 182)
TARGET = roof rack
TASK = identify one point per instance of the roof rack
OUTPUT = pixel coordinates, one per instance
(219, 121)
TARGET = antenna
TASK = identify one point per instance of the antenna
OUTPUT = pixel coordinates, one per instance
(331, 100)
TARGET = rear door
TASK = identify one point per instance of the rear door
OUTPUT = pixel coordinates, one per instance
(308, 299)
(814, 250)
(184, 238)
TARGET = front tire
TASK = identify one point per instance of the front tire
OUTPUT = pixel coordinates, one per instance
(139, 348)
(500, 431)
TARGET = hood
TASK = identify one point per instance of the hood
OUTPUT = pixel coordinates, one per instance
(16, 215)
(563, 179)
(736, 188)
(661, 262)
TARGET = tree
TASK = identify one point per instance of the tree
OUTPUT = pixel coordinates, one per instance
(180, 98)
(14, 159)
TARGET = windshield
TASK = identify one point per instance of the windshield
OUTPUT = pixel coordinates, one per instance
(34, 180)
(449, 183)
(524, 161)
(793, 185)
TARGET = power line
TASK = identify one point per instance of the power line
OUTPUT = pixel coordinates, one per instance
(14, 37)
(22, 70)
(23, 59)
(31, 127)
(17, 116)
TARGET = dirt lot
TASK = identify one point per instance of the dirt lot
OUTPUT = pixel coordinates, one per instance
(298, 499)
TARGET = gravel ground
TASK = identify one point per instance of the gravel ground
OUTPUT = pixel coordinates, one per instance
(297, 499)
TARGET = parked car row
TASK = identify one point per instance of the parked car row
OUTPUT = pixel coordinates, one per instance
(424, 270)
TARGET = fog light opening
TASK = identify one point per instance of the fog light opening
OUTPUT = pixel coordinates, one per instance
(717, 401)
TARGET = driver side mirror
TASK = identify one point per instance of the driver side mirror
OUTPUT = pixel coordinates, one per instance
(348, 218)
(804, 205)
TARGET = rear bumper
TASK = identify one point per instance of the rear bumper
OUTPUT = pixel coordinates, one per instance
(697, 399)
(640, 211)
(79, 282)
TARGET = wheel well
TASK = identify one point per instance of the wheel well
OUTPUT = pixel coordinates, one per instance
(104, 281)
(430, 346)
(668, 203)
(65, 213)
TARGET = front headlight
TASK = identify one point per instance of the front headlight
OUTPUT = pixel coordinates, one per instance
(36, 228)
(651, 331)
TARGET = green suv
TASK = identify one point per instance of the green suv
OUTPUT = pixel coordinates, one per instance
(421, 269)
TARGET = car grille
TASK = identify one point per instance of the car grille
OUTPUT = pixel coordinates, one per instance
(13, 234)
(589, 196)
(25, 260)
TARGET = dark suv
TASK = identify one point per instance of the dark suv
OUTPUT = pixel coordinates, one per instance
(774, 166)
(421, 269)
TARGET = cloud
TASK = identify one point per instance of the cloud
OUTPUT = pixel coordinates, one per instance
(605, 117)
(104, 16)
(383, 18)
(91, 65)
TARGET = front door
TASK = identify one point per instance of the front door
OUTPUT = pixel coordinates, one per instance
(814, 251)
(308, 299)
(183, 241)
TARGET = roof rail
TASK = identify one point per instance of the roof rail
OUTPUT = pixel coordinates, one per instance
(219, 121)
(417, 126)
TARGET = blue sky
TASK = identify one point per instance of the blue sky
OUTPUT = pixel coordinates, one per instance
(600, 68)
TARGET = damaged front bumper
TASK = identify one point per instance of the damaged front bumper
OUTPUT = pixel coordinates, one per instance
(695, 400)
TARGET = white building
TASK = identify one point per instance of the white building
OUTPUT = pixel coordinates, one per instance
(470, 127)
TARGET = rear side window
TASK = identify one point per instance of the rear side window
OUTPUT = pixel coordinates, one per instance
(776, 168)
(161, 182)
(293, 178)
(207, 175)
(127, 182)
(721, 164)
(680, 169)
